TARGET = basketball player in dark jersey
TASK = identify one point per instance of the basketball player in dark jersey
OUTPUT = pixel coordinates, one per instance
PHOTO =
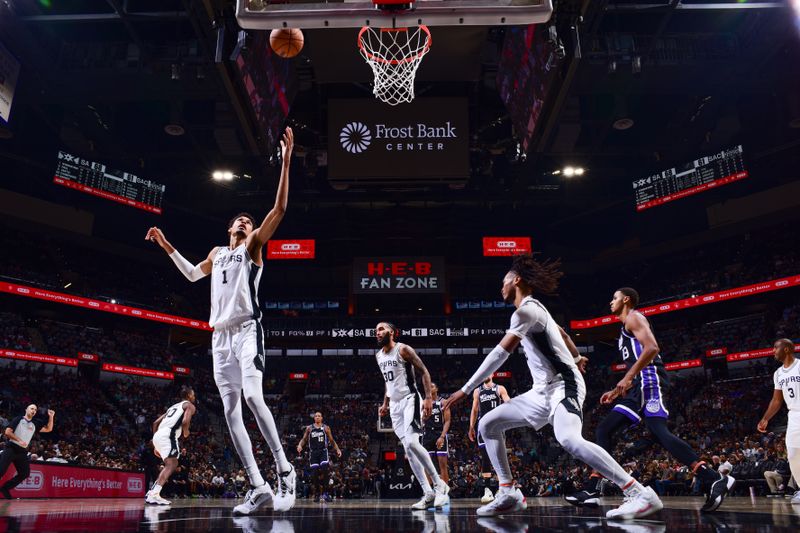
(640, 395)
(318, 435)
(434, 433)
(485, 398)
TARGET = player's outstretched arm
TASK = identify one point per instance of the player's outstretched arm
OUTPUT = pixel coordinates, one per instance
(191, 272)
(330, 438)
(772, 409)
(580, 360)
(473, 414)
(304, 440)
(270, 223)
(501, 390)
(188, 413)
(637, 325)
(49, 427)
(408, 354)
(491, 363)
(157, 422)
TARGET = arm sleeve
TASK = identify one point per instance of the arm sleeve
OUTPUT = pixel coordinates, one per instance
(192, 273)
(493, 361)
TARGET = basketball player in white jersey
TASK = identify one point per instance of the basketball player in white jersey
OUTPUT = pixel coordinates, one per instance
(238, 341)
(556, 397)
(166, 430)
(402, 401)
(787, 389)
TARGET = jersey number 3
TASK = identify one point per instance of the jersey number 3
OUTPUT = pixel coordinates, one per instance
(388, 376)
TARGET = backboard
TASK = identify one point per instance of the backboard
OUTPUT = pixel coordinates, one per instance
(308, 14)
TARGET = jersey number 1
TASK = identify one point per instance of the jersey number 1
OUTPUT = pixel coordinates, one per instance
(224, 276)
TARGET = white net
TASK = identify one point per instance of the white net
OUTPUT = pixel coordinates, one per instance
(394, 55)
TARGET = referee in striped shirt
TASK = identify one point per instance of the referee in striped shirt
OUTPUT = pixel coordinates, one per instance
(19, 433)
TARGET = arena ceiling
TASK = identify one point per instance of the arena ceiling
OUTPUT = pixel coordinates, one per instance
(105, 76)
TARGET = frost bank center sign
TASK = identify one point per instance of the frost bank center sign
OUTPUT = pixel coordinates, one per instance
(428, 138)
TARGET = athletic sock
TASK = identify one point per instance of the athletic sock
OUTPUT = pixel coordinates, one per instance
(632, 488)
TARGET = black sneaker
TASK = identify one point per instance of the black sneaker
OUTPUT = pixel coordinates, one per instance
(6, 493)
(584, 498)
(716, 495)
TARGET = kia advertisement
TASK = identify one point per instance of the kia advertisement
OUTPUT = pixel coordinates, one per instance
(398, 275)
(296, 249)
(424, 140)
(52, 480)
(506, 246)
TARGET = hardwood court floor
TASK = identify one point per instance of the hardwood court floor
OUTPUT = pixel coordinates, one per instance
(378, 516)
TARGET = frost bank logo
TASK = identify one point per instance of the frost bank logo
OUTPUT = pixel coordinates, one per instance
(355, 137)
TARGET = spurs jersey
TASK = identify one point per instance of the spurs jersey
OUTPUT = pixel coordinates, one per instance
(397, 373)
(171, 423)
(545, 351)
(317, 438)
(234, 287)
(653, 375)
(787, 380)
(488, 399)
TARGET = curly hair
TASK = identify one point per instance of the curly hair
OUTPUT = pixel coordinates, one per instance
(541, 276)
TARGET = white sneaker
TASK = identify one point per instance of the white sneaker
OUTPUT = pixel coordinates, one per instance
(254, 499)
(155, 499)
(504, 502)
(441, 495)
(638, 505)
(426, 501)
(284, 499)
(487, 496)
(795, 498)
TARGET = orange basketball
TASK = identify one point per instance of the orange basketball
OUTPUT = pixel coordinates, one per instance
(286, 42)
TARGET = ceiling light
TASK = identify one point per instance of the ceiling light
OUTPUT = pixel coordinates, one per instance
(579, 171)
(217, 175)
(176, 130)
(113, 301)
(569, 171)
(67, 285)
(227, 175)
(556, 172)
(622, 124)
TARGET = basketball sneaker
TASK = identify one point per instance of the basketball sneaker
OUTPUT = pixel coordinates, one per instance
(6, 493)
(254, 499)
(795, 498)
(441, 492)
(284, 499)
(637, 504)
(487, 496)
(426, 501)
(155, 499)
(584, 498)
(509, 501)
(716, 494)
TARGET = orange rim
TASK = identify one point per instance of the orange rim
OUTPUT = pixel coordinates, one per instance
(379, 59)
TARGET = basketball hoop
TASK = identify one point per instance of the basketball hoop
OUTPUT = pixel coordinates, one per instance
(394, 55)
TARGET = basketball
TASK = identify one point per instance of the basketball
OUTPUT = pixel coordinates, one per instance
(286, 42)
